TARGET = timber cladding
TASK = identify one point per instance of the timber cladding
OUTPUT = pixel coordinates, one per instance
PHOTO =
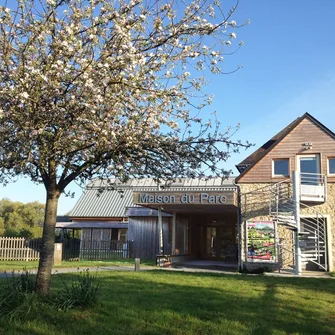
(213, 198)
(291, 146)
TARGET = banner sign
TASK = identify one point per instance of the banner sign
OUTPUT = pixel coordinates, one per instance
(261, 241)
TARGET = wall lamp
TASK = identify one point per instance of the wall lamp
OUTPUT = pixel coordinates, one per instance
(307, 145)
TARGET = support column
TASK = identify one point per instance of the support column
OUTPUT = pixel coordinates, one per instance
(160, 232)
(296, 199)
(174, 224)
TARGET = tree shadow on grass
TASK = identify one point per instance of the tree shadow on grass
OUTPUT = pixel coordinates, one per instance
(162, 302)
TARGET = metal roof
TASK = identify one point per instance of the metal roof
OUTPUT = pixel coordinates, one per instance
(144, 183)
(109, 203)
(110, 199)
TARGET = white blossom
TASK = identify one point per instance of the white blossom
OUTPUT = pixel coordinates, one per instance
(233, 35)
(91, 84)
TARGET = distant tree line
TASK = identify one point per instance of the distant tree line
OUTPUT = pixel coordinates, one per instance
(21, 220)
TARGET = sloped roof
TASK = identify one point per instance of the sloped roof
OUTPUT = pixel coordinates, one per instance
(110, 203)
(257, 155)
(144, 183)
(103, 199)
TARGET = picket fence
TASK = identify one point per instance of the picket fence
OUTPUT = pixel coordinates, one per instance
(19, 249)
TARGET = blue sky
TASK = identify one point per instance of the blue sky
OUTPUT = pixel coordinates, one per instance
(288, 61)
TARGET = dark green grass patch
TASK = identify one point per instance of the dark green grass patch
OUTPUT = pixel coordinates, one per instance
(164, 302)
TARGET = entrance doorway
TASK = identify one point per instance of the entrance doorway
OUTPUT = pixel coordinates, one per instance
(220, 242)
(309, 168)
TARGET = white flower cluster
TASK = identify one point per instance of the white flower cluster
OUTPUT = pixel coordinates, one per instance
(88, 77)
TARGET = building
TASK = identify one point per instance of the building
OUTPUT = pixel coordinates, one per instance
(302, 154)
(279, 212)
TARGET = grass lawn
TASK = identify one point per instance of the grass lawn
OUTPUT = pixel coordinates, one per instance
(19, 265)
(166, 302)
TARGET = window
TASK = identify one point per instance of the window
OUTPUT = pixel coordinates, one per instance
(123, 235)
(281, 167)
(331, 166)
(115, 234)
(309, 168)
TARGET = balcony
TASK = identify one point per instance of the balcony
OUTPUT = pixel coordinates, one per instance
(313, 187)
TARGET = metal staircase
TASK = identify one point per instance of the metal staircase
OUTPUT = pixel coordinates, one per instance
(308, 232)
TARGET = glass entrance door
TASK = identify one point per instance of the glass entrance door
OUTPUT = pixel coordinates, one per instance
(220, 242)
(309, 167)
(211, 242)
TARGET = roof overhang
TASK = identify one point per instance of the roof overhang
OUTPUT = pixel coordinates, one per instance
(91, 224)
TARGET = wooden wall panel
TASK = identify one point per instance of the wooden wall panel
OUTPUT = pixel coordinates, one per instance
(143, 231)
(290, 147)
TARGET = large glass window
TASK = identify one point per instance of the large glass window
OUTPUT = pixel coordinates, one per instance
(331, 166)
(281, 167)
(309, 166)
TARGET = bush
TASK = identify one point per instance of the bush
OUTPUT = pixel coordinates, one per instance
(261, 269)
(82, 292)
(16, 295)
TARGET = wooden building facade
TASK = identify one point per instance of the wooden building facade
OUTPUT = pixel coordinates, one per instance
(290, 183)
(279, 212)
(198, 221)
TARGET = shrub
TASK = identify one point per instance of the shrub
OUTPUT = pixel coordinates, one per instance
(82, 292)
(16, 295)
(261, 269)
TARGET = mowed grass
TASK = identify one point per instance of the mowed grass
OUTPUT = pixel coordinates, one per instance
(20, 265)
(167, 302)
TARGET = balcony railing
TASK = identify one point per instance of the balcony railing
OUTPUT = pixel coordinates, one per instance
(313, 187)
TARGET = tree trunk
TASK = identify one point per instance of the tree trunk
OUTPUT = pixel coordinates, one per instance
(48, 240)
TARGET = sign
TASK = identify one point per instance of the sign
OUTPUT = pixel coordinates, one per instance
(184, 198)
(261, 241)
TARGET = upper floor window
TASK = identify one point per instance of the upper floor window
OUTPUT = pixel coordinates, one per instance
(281, 167)
(331, 165)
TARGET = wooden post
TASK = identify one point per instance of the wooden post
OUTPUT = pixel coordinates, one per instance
(137, 264)
(174, 223)
(57, 254)
(27, 253)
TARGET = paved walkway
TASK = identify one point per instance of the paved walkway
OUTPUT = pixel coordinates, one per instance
(181, 268)
(92, 269)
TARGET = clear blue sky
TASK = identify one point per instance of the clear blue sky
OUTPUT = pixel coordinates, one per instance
(288, 69)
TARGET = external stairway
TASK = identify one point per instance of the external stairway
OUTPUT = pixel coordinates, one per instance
(308, 231)
(300, 230)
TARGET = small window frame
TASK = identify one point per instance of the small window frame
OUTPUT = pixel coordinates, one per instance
(332, 174)
(274, 160)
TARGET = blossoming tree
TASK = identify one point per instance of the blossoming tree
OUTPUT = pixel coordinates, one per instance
(108, 88)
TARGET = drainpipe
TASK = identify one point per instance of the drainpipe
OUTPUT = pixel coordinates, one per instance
(239, 226)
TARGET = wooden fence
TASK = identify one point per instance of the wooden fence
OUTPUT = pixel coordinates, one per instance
(105, 249)
(96, 249)
(19, 249)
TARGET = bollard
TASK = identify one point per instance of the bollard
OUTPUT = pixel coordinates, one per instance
(137, 264)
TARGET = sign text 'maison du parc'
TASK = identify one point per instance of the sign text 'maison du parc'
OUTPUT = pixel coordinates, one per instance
(198, 198)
